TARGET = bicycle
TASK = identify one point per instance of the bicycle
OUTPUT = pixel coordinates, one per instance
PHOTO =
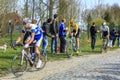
(71, 47)
(20, 61)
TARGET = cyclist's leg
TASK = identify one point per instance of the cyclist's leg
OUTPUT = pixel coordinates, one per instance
(77, 43)
(106, 45)
(78, 40)
(38, 52)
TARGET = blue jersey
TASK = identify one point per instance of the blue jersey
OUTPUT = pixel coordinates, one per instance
(62, 31)
(37, 30)
(34, 29)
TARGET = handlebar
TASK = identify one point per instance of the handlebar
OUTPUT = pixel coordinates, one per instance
(14, 47)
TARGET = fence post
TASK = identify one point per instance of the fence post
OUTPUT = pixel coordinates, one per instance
(10, 31)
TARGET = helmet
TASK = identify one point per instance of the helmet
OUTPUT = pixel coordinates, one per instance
(103, 23)
(26, 20)
(72, 21)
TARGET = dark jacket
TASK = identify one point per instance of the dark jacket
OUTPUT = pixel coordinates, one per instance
(54, 28)
(93, 31)
(46, 29)
(112, 35)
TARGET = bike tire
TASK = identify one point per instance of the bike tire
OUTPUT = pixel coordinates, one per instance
(18, 67)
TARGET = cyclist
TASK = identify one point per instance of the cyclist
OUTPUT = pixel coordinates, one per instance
(105, 34)
(35, 36)
(75, 31)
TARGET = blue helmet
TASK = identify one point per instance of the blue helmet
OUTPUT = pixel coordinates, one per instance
(103, 23)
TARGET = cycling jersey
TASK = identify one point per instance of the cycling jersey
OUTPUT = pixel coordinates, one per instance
(33, 29)
(75, 28)
(37, 30)
(105, 31)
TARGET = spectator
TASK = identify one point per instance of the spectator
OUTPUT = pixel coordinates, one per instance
(93, 32)
(119, 38)
(46, 28)
(62, 34)
(112, 37)
(54, 33)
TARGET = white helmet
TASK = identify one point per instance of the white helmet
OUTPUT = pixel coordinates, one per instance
(26, 20)
(103, 23)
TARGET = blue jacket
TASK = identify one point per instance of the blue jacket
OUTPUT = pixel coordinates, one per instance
(62, 31)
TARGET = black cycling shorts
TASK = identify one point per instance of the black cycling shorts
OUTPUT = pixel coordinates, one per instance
(78, 33)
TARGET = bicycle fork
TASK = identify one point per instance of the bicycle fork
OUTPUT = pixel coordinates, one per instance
(22, 57)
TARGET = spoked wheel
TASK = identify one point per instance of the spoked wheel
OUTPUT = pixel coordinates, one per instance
(19, 65)
(69, 49)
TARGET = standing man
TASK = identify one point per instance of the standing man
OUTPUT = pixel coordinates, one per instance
(62, 35)
(93, 32)
(54, 33)
(46, 28)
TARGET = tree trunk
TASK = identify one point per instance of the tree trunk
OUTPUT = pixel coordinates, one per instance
(26, 9)
(51, 8)
(33, 9)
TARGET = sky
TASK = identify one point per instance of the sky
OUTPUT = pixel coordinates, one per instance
(91, 3)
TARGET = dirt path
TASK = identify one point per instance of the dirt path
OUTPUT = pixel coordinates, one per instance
(90, 67)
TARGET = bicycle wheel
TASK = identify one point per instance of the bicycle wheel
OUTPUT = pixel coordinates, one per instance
(19, 65)
(69, 48)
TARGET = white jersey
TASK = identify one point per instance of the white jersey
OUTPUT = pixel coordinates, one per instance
(105, 31)
(106, 28)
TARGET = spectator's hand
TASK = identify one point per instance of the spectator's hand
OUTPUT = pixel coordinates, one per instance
(53, 36)
(66, 28)
(56, 35)
(26, 46)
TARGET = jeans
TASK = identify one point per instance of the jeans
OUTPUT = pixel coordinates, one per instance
(45, 44)
(113, 43)
(54, 45)
(93, 41)
(62, 44)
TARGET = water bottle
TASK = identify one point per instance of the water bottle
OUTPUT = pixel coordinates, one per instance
(33, 55)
